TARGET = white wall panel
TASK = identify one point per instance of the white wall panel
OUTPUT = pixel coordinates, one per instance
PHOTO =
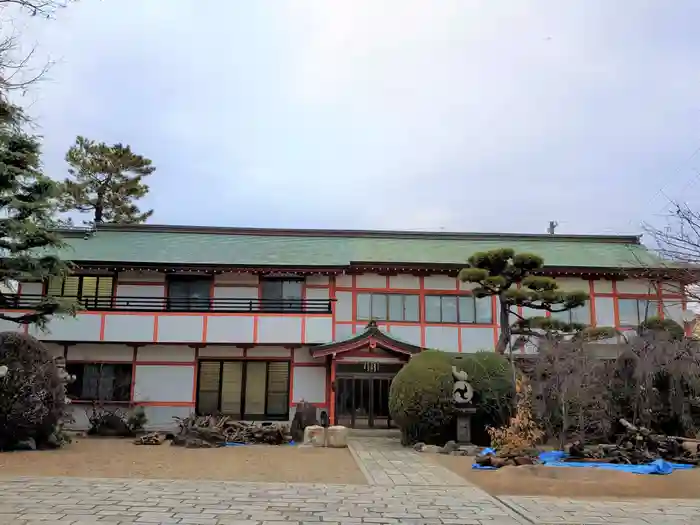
(672, 288)
(318, 280)
(173, 353)
(569, 284)
(602, 286)
(164, 383)
(343, 306)
(317, 293)
(309, 384)
(148, 277)
(343, 281)
(404, 281)
(92, 352)
(370, 280)
(440, 282)
(303, 355)
(269, 351)
(220, 351)
(604, 311)
(636, 286)
(236, 278)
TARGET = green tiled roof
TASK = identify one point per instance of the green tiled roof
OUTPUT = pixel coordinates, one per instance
(152, 244)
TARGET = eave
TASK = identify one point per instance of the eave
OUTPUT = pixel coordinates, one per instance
(371, 338)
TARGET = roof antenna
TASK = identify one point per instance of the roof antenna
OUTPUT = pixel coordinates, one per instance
(552, 226)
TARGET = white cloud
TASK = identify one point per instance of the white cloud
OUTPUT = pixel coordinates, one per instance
(475, 115)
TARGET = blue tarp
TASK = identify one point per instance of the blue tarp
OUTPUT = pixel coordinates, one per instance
(555, 459)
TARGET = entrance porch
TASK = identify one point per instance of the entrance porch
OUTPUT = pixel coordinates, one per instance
(361, 370)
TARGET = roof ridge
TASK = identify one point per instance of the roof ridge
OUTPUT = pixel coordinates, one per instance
(395, 234)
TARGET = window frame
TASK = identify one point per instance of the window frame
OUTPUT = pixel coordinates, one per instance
(275, 304)
(387, 306)
(191, 304)
(84, 399)
(95, 301)
(459, 320)
(244, 384)
(569, 313)
(638, 300)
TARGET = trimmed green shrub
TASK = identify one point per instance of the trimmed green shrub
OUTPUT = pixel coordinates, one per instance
(656, 324)
(420, 398)
(32, 393)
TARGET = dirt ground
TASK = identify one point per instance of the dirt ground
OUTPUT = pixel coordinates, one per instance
(574, 482)
(120, 458)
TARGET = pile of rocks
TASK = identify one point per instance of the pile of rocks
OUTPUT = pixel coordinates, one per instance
(451, 448)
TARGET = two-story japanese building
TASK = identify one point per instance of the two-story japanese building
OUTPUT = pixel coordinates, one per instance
(248, 322)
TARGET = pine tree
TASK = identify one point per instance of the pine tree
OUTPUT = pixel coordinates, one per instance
(27, 206)
(106, 181)
(499, 272)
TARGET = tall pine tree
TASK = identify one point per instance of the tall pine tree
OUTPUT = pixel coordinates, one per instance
(105, 181)
(27, 207)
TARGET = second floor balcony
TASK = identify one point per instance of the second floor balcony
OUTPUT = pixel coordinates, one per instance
(184, 304)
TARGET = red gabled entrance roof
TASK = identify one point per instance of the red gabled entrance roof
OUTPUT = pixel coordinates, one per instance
(371, 338)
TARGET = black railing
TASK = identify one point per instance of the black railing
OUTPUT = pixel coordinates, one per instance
(184, 304)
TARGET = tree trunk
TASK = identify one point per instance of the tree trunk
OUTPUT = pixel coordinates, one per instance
(504, 320)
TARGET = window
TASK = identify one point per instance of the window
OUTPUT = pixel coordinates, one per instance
(100, 381)
(387, 307)
(580, 315)
(93, 291)
(188, 293)
(282, 294)
(244, 389)
(458, 309)
(634, 312)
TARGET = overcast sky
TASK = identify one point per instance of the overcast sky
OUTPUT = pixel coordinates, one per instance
(493, 115)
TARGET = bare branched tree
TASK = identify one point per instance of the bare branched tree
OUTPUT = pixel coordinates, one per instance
(678, 242)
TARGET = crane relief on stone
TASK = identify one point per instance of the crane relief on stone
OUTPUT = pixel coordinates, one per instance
(462, 391)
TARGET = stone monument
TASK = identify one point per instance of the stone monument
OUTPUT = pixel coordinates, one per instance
(462, 396)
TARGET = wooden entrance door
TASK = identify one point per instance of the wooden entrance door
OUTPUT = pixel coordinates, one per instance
(362, 394)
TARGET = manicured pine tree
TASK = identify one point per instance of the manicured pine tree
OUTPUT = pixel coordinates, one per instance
(499, 272)
(106, 181)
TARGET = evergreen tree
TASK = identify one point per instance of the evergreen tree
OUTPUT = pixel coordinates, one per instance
(27, 206)
(499, 272)
(106, 181)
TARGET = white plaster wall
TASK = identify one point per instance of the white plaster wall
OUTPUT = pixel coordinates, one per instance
(636, 286)
(92, 352)
(672, 288)
(569, 284)
(475, 339)
(309, 384)
(411, 282)
(440, 282)
(317, 293)
(173, 353)
(269, 351)
(220, 351)
(343, 306)
(602, 286)
(343, 281)
(370, 280)
(236, 278)
(303, 355)
(140, 290)
(235, 292)
(343, 331)
(149, 277)
(171, 383)
(673, 309)
(318, 280)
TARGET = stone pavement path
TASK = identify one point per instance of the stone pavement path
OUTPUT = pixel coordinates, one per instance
(404, 487)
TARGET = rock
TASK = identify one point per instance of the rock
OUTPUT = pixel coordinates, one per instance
(450, 446)
(153, 438)
(523, 460)
(432, 449)
(198, 443)
(458, 453)
(337, 437)
(315, 435)
(470, 450)
(418, 447)
(27, 444)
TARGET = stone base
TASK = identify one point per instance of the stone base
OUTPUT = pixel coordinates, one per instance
(464, 425)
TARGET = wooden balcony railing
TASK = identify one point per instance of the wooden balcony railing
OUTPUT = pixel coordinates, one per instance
(184, 304)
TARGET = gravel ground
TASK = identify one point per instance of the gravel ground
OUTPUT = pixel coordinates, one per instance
(120, 458)
(532, 480)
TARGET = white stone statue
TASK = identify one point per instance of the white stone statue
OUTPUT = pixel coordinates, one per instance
(462, 391)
